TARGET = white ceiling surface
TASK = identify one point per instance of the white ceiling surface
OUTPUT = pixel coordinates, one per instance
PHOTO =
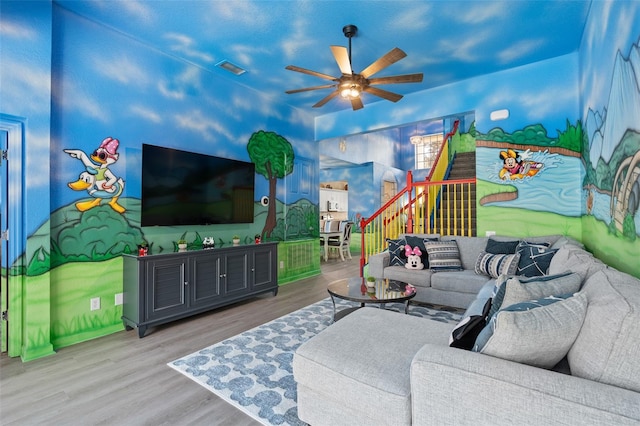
(448, 41)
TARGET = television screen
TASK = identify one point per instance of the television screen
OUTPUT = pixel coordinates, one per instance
(186, 188)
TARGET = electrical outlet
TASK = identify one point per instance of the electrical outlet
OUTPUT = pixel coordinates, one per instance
(282, 264)
(95, 303)
(490, 233)
(118, 299)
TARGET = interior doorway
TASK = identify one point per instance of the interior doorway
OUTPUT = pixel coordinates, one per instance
(4, 271)
(389, 190)
(12, 134)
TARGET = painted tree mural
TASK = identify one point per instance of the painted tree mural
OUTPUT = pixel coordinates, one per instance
(273, 156)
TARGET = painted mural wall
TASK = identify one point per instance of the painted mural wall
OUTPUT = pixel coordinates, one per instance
(75, 84)
(564, 161)
(610, 88)
(108, 95)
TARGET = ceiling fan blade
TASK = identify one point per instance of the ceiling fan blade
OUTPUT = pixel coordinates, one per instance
(342, 58)
(314, 73)
(326, 99)
(306, 89)
(391, 57)
(390, 96)
(356, 103)
(407, 78)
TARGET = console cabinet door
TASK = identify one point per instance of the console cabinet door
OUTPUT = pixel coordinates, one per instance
(263, 268)
(235, 273)
(204, 280)
(165, 288)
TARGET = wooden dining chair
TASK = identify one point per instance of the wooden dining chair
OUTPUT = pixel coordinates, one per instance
(342, 243)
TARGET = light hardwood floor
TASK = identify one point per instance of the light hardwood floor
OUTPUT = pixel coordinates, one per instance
(123, 380)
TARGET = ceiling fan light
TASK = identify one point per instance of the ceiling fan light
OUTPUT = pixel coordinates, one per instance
(350, 91)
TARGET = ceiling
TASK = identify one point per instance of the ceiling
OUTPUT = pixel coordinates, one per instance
(448, 41)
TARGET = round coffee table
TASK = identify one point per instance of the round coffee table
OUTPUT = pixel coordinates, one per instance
(383, 292)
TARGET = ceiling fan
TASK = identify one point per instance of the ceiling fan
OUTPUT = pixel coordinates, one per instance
(350, 84)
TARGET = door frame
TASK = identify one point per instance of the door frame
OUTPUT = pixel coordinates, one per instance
(15, 129)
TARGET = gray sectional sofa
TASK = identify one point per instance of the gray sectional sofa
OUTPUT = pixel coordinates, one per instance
(450, 288)
(377, 367)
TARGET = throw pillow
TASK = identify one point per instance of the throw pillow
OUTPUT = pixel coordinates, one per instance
(396, 250)
(538, 333)
(443, 255)
(415, 241)
(495, 265)
(519, 290)
(501, 247)
(466, 332)
(501, 288)
(414, 257)
(534, 259)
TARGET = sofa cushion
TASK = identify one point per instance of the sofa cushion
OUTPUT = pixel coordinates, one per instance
(564, 240)
(396, 250)
(458, 281)
(495, 265)
(517, 290)
(575, 259)
(607, 348)
(415, 277)
(443, 255)
(501, 247)
(469, 248)
(538, 333)
(534, 259)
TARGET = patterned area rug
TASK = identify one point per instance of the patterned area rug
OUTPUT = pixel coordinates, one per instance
(252, 370)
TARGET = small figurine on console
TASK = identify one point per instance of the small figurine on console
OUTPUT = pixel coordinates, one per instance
(208, 243)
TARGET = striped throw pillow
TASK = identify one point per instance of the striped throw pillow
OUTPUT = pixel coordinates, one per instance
(495, 265)
(443, 255)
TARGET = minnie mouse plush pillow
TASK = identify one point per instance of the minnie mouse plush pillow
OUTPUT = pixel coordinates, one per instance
(414, 257)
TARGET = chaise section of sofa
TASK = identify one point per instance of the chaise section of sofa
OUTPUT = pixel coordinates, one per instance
(356, 372)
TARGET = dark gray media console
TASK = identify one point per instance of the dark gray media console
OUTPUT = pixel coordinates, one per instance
(161, 288)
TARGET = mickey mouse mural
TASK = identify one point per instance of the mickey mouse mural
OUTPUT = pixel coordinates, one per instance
(517, 166)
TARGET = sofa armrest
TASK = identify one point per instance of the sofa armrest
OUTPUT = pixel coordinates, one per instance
(454, 386)
(377, 263)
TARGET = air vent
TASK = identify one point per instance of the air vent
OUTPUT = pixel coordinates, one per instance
(232, 68)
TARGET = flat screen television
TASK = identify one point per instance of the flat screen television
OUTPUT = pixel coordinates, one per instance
(187, 188)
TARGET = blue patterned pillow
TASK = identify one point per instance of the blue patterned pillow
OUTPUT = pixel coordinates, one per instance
(443, 255)
(501, 247)
(495, 265)
(534, 259)
(396, 249)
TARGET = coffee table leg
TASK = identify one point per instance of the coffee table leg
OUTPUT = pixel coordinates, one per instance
(334, 307)
(406, 307)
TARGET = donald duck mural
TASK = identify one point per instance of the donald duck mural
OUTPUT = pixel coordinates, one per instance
(97, 179)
